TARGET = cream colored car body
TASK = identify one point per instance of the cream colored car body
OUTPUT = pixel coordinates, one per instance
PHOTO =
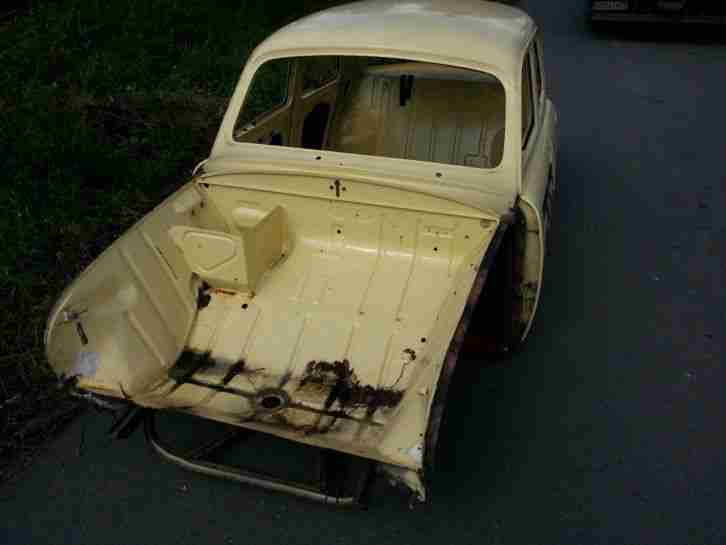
(289, 269)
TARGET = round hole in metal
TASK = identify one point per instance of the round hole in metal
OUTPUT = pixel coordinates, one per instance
(272, 399)
(271, 402)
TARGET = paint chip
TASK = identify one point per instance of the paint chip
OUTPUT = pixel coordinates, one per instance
(87, 364)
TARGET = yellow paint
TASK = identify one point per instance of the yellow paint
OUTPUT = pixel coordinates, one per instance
(321, 255)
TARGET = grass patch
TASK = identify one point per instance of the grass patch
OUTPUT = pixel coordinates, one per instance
(107, 106)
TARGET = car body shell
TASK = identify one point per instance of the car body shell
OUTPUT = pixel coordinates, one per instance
(124, 325)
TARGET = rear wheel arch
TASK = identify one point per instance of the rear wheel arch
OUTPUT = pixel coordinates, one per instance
(509, 299)
(532, 233)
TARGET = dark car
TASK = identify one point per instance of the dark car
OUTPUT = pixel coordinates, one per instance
(659, 11)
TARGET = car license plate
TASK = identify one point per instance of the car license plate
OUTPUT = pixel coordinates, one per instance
(610, 5)
(671, 5)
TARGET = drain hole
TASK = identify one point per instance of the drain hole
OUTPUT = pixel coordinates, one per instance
(272, 399)
(271, 402)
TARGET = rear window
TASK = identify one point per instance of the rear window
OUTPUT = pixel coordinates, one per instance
(377, 106)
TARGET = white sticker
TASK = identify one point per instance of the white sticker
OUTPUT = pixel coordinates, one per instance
(86, 364)
(416, 453)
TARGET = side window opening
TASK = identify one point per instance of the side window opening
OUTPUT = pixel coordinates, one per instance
(268, 92)
(527, 102)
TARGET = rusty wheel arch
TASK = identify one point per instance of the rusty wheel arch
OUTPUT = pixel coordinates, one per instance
(444, 381)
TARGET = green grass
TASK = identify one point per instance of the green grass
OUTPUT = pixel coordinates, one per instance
(106, 106)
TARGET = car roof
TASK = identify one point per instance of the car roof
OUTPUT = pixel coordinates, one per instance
(476, 32)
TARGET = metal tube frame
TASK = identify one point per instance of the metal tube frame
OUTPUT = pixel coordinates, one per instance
(195, 463)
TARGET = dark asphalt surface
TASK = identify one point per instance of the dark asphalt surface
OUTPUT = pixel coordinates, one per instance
(606, 428)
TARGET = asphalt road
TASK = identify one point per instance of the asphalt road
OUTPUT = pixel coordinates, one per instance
(607, 428)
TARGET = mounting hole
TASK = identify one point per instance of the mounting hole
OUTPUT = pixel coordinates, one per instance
(272, 399)
(436, 248)
(339, 231)
(345, 188)
(438, 175)
(244, 306)
(423, 339)
(318, 158)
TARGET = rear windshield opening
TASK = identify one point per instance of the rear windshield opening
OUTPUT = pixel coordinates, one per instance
(374, 106)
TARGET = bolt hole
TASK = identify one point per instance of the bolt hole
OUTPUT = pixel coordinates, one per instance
(345, 188)
(332, 187)
(436, 248)
(318, 158)
(244, 306)
(271, 402)
(423, 339)
(438, 175)
(339, 231)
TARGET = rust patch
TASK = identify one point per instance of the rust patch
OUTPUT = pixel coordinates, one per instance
(203, 297)
(337, 378)
(189, 363)
(345, 387)
(235, 370)
(224, 292)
